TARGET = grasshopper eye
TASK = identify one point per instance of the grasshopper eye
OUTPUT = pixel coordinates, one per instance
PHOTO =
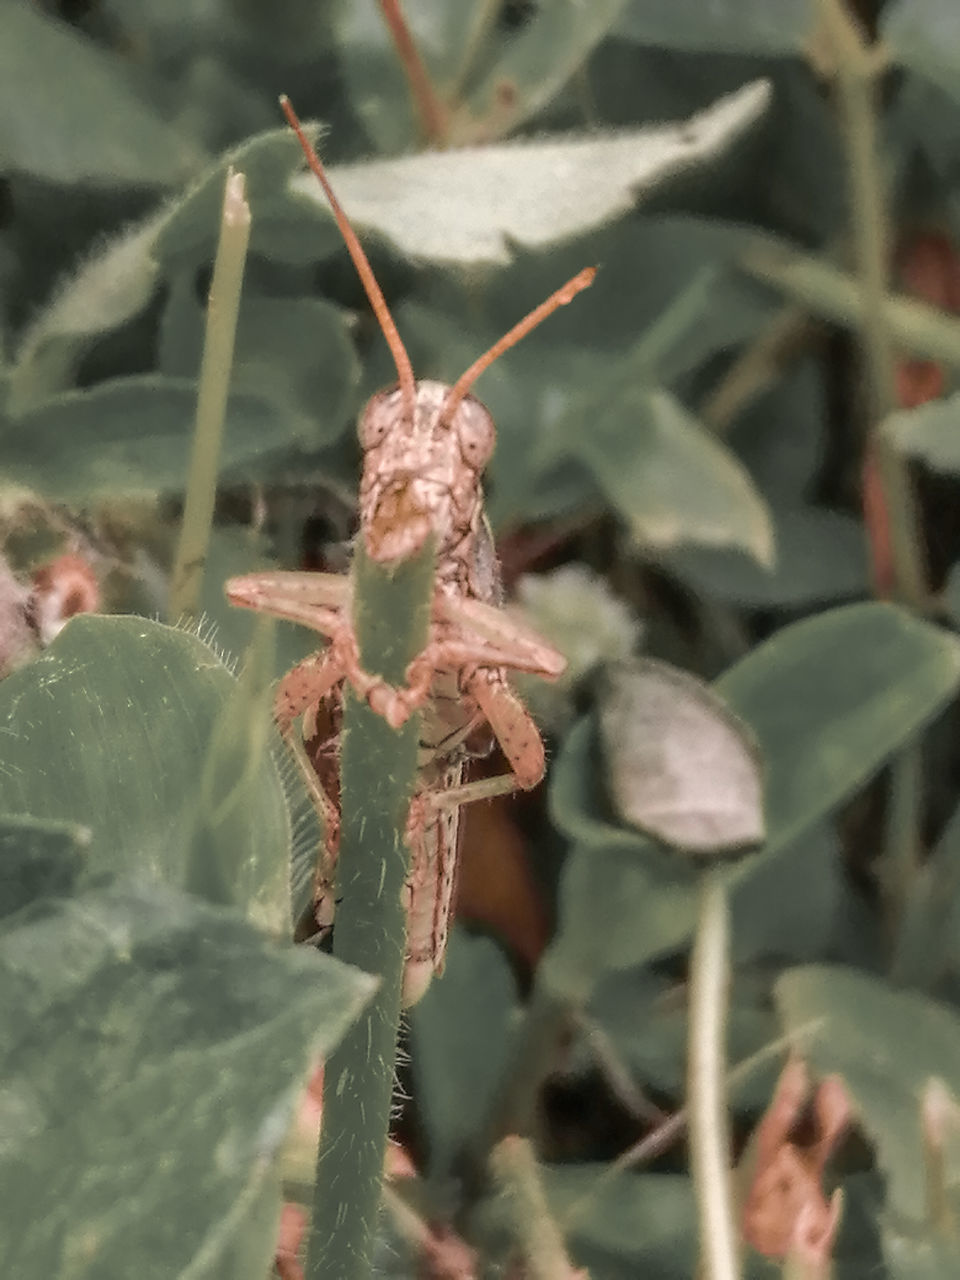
(381, 413)
(475, 432)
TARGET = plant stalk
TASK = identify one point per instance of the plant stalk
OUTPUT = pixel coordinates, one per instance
(856, 77)
(223, 306)
(378, 772)
(707, 1083)
(856, 71)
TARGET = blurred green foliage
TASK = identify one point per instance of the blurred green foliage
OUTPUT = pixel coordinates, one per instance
(690, 430)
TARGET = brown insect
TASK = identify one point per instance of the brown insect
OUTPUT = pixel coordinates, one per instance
(425, 446)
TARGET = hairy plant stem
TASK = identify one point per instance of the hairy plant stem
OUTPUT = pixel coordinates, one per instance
(538, 1238)
(707, 1083)
(223, 307)
(391, 615)
(856, 71)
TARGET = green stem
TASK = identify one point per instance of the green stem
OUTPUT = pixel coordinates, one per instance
(856, 81)
(706, 1083)
(222, 308)
(539, 1239)
(856, 71)
(821, 288)
(378, 772)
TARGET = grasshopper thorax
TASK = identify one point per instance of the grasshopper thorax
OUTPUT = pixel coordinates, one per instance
(423, 478)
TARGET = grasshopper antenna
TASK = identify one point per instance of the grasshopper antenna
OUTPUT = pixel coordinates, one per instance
(582, 280)
(408, 386)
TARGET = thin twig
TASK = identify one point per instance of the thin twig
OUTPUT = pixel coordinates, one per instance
(430, 110)
(222, 309)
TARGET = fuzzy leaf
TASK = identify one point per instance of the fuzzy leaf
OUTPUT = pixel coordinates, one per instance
(156, 1050)
(133, 435)
(666, 476)
(111, 728)
(469, 205)
(94, 127)
(723, 26)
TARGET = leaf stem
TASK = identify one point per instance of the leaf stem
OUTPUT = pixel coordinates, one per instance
(539, 1239)
(430, 110)
(223, 307)
(378, 772)
(706, 1083)
(856, 78)
(856, 70)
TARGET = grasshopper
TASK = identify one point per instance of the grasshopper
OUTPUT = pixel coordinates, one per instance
(425, 446)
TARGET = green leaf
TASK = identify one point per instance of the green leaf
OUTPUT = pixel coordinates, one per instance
(866, 1026)
(95, 127)
(133, 435)
(725, 26)
(117, 281)
(832, 697)
(162, 1046)
(461, 1031)
(821, 557)
(38, 858)
(488, 81)
(470, 205)
(928, 432)
(829, 699)
(664, 474)
(552, 46)
(110, 728)
(296, 351)
(924, 35)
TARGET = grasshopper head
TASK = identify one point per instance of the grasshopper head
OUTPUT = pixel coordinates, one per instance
(421, 476)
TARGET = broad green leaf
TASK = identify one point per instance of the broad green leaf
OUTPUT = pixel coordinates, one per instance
(133, 435)
(829, 699)
(118, 281)
(929, 433)
(551, 47)
(821, 557)
(471, 205)
(95, 127)
(297, 351)
(924, 35)
(110, 728)
(461, 1030)
(669, 479)
(38, 858)
(155, 1052)
(887, 1044)
(832, 697)
(724, 26)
